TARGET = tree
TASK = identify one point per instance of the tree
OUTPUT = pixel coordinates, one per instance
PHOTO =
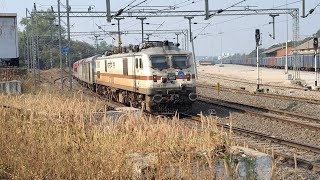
(104, 46)
(46, 32)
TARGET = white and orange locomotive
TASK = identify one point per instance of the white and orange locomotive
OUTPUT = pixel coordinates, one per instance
(158, 77)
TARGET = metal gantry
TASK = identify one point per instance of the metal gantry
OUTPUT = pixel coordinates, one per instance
(147, 13)
(173, 13)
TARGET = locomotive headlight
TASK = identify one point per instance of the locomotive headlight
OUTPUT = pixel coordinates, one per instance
(157, 98)
(188, 77)
(154, 77)
(193, 96)
(164, 80)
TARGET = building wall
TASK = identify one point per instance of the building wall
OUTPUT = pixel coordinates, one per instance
(282, 52)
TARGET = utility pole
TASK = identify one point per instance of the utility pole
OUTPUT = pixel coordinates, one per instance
(34, 47)
(69, 45)
(177, 34)
(257, 36)
(315, 46)
(287, 23)
(185, 39)
(148, 36)
(97, 43)
(51, 42)
(221, 53)
(25, 50)
(273, 24)
(60, 46)
(303, 8)
(37, 48)
(119, 33)
(142, 33)
(108, 8)
(192, 44)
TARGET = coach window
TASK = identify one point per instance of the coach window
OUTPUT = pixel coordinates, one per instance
(137, 65)
(141, 63)
(106, 65)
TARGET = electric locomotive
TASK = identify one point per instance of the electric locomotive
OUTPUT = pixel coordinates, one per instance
(157, 76)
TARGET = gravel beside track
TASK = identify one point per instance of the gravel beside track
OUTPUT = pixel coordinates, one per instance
(288, 105)
(264, 125)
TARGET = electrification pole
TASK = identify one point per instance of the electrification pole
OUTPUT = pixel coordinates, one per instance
(315, 46)
(51, 42)
(257, 36)
(177, 34)
(60, 45)
(69, 46)
(273, 25)
(221, 53)
(119, 33)
(287, 23)
(192, 44)
(142, 33)
(97, 43)
(148, 36)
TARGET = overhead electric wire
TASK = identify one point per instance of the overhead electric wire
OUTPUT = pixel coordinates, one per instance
(218, 12)
(312, 10)
(159, 26)
(237, 17)
(136, 5)
(221, 10)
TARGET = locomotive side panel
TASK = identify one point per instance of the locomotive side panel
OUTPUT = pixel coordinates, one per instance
(160, 79)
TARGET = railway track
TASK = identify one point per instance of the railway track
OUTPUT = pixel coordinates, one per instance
(306, 155)
(275, 96)
(249, 83)
(284, 116)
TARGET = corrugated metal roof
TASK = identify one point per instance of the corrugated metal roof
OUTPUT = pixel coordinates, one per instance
(307, 45)
(273, 49)
(8, 14)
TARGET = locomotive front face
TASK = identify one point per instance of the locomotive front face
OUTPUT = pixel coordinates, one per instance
(173, 83)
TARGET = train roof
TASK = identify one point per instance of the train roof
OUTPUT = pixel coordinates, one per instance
(149, 51)
(8, 14)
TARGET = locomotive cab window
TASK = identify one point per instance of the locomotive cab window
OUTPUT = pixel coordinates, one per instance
(159, 62)
(180, 62)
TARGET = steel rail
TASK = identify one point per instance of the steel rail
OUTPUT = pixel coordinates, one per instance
(275, 140)
(265, 112)
(278, 96)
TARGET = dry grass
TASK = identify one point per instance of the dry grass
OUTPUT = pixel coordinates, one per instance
(54, 136)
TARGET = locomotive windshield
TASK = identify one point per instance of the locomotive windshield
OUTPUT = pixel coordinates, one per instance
(159, 62)
(180, 62)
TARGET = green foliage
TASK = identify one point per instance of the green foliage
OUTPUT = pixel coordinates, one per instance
(104, 46)
(45, 25)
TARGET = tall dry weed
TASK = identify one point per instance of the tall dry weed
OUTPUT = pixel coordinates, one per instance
(56, 136)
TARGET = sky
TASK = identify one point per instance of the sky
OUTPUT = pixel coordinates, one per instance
(236, 32)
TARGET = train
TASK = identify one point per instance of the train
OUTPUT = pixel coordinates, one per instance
(156, 76)
(206, 63)
(305, 62)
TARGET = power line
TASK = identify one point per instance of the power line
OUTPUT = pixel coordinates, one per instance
(239, 16)
(136, 5)
(312, 10)
(218, 12)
